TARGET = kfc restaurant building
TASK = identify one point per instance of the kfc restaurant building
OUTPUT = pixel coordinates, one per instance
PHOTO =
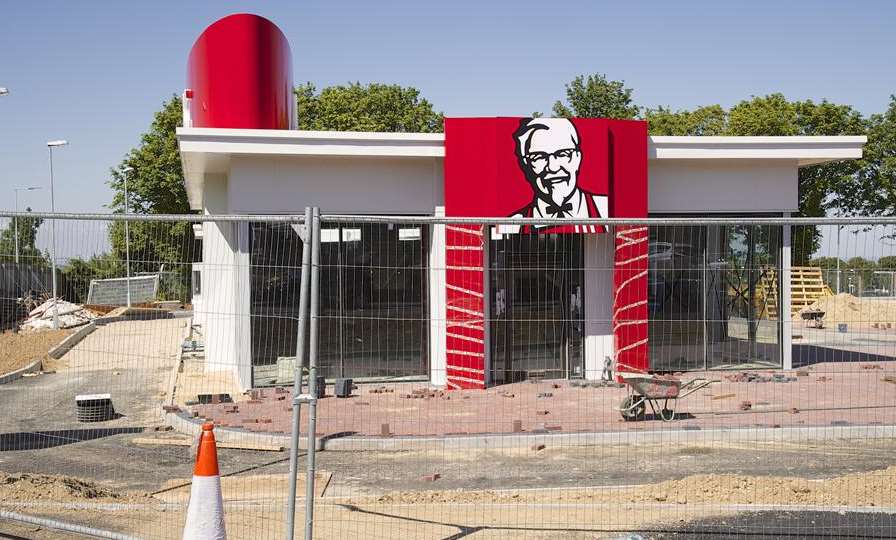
(464, 305)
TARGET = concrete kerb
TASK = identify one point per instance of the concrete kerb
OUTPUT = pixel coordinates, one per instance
(183, 423)
(33, 367)
(71, 340)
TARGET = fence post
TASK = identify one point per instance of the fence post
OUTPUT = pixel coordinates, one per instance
(312, 374)
(297, 383)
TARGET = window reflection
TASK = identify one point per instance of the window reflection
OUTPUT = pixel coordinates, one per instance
(373, 320)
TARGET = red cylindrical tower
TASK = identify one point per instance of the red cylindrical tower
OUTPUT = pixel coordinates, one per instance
(240, 75)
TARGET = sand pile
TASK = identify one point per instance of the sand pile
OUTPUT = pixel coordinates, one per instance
(875, 488)
(34, 487)
(19, 349)
(846, 308)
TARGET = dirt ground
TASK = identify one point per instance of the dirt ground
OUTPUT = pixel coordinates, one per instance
(846, 308)
(543, 513)
(18, 349)
(873, 488)
(556, 492)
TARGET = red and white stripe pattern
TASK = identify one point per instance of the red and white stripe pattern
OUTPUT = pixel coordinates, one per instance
(630, 298)
(465, 307)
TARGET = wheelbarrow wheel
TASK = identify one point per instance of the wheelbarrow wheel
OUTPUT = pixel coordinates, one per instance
(632, 408)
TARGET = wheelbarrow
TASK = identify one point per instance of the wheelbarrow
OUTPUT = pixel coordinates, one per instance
(649, 389)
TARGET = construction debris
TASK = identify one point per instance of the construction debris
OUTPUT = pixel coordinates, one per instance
(69, 314)
(746, 376)
(596, 384)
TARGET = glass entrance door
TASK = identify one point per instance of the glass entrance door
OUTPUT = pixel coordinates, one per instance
(537, 324)
(373, 312)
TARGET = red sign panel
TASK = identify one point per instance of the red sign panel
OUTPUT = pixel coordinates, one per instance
(545, 168)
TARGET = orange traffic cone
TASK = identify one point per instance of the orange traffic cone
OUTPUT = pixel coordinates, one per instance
(205, 514)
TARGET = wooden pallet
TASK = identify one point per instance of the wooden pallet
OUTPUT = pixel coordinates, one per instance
(806, 286)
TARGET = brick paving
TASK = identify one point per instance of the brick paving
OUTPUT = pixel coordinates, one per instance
(820, 395)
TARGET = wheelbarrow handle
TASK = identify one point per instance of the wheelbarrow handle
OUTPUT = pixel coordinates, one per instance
(695, 384)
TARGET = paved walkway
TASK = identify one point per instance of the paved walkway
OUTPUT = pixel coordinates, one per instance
(131, 360)
(819, 395)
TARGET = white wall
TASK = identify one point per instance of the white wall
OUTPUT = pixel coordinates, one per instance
(707, 186)
(338, 185)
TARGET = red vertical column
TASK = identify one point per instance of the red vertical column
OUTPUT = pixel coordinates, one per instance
(628, 198)
(630, 298)
(465, 305)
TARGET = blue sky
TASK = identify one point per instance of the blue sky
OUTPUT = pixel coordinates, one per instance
(94, 72)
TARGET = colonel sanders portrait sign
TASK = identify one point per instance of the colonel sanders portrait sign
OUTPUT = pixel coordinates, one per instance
(549, 153)
(554, 168)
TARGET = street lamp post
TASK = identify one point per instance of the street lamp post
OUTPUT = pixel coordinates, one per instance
(127, 232)
(50, 146)
(16, 220)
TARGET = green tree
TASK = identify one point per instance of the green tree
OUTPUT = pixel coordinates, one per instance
(825, 188)
(708, 120)
(860, 273)
(770, 115)
(826, 263)
(28, 250)
(156, 186)
(872, 191)
(887, 262)
(595, 96)
(371, 107)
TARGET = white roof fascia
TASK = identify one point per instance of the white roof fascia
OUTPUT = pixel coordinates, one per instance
(310, 143)
(804, 150)
(208, 150)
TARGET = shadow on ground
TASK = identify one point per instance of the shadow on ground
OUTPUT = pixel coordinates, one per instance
(806, 355)
(36, 440)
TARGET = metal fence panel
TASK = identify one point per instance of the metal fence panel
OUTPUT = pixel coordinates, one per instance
(483, 403)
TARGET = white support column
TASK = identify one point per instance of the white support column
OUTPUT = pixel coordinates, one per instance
(437, 301)
(225, 284)
(785, 299)
(598, 293)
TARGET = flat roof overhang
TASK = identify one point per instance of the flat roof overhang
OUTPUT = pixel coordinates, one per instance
(209, 150)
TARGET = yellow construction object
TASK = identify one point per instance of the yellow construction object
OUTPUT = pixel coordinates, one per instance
(806, 286)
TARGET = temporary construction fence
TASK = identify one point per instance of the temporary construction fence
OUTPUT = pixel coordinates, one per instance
(487, 390)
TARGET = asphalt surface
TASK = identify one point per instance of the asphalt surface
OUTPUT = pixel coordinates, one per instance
(131, 360)
(115, 460)
(785, 525)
